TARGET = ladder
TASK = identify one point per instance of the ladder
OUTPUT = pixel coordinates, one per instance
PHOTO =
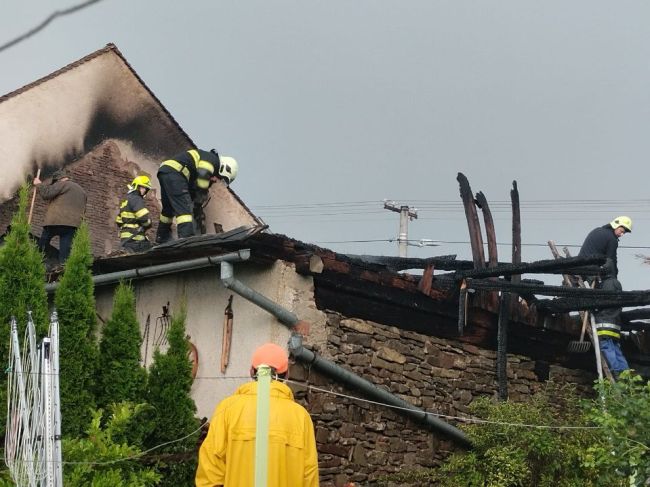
(601, 364)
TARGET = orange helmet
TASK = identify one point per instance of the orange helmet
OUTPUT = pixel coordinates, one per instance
(272, 355)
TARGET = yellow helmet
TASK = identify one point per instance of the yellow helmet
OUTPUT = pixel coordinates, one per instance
(622, 221)
(143, 181)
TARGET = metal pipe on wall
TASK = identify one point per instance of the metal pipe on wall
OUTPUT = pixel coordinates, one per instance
(162, 269)
(357, 383)
(285, 316)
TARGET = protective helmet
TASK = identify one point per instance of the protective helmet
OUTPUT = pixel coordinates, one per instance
(228, 168)
(143, 181)
(272, 355)
(622, 221)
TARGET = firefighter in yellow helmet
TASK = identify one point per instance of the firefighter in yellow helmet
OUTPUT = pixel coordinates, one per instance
(134, 219)
(184, 178)
(227, 454)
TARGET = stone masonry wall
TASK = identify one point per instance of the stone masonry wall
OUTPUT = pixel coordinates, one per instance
(104, 174)
(358, 441)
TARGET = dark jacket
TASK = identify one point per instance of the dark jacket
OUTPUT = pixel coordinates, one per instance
(67, 203)
(134, 218)
(611, 317)
(197, 165)
(604, 242)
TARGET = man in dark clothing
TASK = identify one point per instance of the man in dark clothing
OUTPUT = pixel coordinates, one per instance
(67, 205)
(603, 241)
(180, 179)
(134, 219)
(608, 328)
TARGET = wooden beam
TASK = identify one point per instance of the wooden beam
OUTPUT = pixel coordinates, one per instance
(473, 224)
(490, 231)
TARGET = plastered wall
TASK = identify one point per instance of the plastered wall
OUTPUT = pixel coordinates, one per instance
(206, 299)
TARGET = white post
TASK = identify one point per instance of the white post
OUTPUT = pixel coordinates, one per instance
(56, 399)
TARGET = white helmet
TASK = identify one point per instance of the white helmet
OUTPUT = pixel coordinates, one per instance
(228, 168)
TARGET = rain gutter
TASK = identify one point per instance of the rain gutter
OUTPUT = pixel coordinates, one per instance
(330, 369)
(162, 269)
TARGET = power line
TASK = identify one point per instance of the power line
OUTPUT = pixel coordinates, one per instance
(465, 419)
(463, 242)
(46, 22)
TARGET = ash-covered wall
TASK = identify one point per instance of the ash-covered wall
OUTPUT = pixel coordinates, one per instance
(61, 118)
(58, 120)
(104, 173)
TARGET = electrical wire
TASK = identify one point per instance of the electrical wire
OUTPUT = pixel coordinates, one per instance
(445, 416)
(463, 242)
(46, 22)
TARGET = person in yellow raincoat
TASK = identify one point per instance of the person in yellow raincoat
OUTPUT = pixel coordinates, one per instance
(227, 455)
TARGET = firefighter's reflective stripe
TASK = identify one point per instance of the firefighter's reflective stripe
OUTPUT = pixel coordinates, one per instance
(131, 236)
(178, 167)
(208, 166)
(204, 169)
(141, 212)
(183, 219)
(165, 219)
(128, 214)
(609, 330)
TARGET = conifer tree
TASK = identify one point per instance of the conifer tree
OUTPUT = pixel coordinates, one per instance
(120, 377)
(170, 381)
(75, 302)
(22, 287)
(22, 277)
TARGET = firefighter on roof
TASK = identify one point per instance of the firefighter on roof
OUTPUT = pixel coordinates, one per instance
(603, 241)
(182, 178)
(134, 219)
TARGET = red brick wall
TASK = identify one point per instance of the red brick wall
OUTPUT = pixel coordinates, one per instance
(104, 175)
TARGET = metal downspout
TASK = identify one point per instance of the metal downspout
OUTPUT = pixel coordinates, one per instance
(228, 278)
(357, 383)
(161, 269)
(330, 369)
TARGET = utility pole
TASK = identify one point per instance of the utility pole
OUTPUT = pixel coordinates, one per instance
(405, 214)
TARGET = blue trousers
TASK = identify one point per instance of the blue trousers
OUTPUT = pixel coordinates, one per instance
(613, 354)
(65, 234)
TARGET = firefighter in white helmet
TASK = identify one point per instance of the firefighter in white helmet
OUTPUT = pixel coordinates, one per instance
(603, 241)
(185, 178)
(134, 219)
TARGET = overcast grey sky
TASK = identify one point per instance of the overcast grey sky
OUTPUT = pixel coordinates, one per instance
(360, 100)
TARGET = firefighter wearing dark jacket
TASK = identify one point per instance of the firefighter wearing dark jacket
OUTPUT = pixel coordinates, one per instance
(608, 328)
(134, 218)
(181, 179)
(603, 241)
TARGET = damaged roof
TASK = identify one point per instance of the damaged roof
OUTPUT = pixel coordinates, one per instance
(370, 288)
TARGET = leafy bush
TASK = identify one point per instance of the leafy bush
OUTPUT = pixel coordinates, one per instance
(505, 455)
(102, 458)
(623, 413)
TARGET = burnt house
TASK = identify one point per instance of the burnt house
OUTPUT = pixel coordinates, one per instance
(359, 328)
